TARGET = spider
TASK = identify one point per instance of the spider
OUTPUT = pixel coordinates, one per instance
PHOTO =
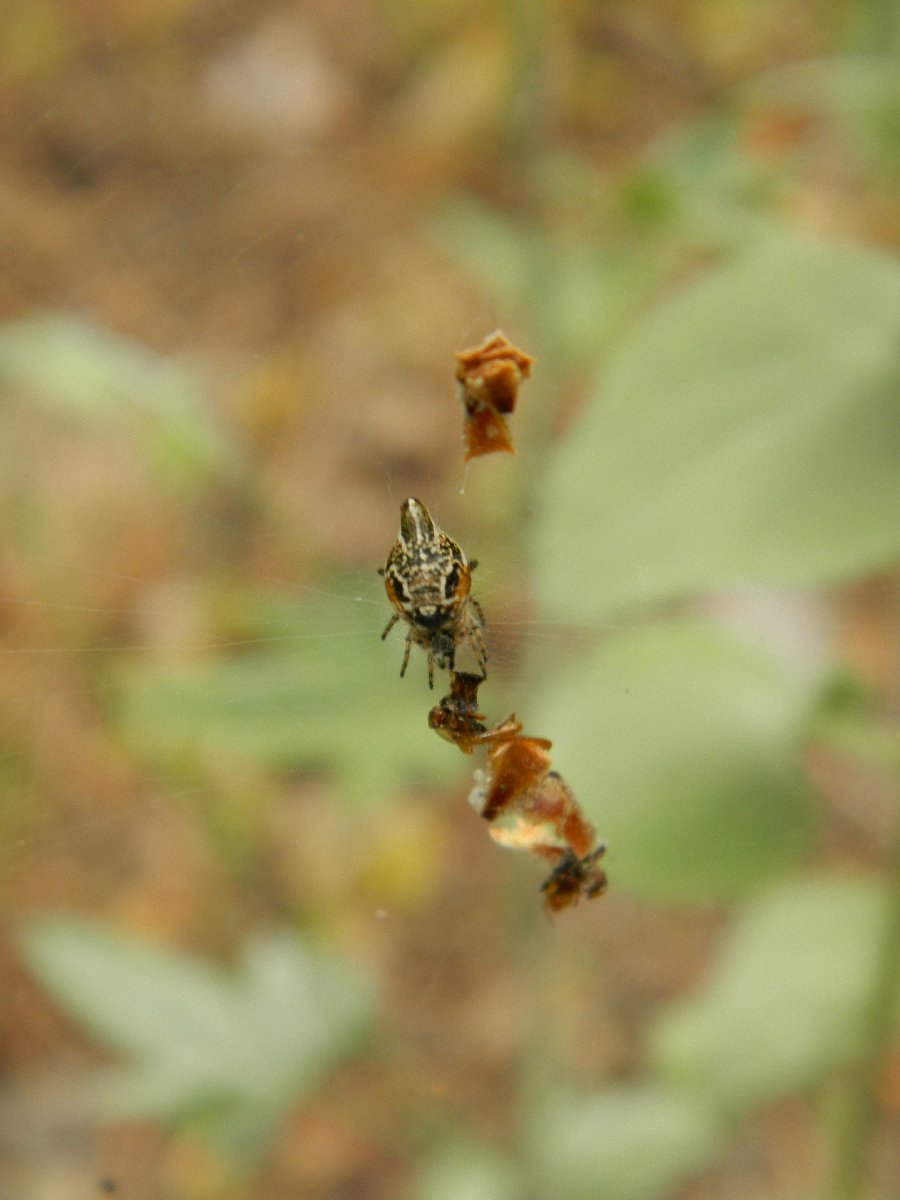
(428, 580)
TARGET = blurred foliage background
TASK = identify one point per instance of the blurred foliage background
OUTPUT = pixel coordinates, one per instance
(255, 942)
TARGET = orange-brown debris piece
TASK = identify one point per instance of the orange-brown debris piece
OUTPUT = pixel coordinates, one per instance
(489, 376)
(536, 810)
(456, 717)
(516, 767)
(529, 806)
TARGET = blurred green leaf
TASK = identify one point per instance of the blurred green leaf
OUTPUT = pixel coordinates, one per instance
(92, 374)
(848, 720)
(235, 1049)
(680, 742)
(861, 90)
(493, 248)
(468, 1172)
(703, 184)
(748, 430)
(323, 694)
(577, 292)
(866, 738)
(629, 1142)
(785, 1003)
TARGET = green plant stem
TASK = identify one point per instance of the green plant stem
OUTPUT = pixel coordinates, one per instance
(860, 1110)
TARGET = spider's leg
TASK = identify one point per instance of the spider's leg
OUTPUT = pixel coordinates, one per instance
(476, 641)
(431, 668)
(406, 654)
(390, 625)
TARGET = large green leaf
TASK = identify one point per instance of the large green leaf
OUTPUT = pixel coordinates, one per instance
(238, 1047)
(630, 1142)
(749, 429)
(785, 1002)
(679, 741)
(319, 690)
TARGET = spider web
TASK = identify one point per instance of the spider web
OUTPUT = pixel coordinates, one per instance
(261, 225)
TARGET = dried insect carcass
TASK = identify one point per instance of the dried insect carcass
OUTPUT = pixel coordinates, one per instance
(428, 580)
(532, 808)
(528, 805)
(574, 877)
(456, 717)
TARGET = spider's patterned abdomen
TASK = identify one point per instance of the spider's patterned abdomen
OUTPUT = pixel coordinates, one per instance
(427, 575)
(428, 580)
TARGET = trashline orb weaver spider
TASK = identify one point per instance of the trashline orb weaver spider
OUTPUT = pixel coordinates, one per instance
(428, 580)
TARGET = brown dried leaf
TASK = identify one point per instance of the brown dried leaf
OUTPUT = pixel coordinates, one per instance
(489, 376)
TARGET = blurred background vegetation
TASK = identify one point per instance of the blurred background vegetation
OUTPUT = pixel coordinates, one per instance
(255, 943)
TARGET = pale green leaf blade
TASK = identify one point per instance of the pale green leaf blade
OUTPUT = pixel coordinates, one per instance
(465, 1171)
(749, 429)
(135, 996)
(83, 371)
(306, 1010)
(628, 1142)
(785, 1002)
(325, 694)
(680, 742)
(227, 1053)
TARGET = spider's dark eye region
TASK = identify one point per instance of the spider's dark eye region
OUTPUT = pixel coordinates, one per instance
(431, 616)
